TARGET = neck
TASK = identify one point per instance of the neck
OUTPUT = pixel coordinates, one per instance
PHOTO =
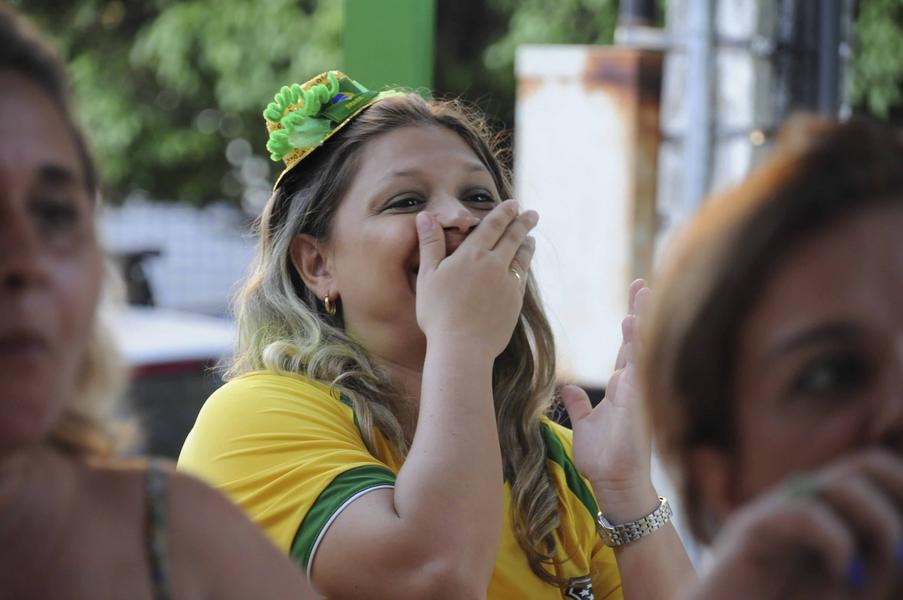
(37, 489)
(407, 380)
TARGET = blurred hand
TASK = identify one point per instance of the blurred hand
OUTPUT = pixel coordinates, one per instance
(613, 441)
(835, 533)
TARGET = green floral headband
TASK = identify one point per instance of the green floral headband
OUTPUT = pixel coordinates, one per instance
(303, 116)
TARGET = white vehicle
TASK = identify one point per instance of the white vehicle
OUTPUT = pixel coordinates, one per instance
(172, 356)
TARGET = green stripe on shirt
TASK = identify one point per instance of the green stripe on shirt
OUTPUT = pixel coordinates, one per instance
(555, 452)
(336, 494)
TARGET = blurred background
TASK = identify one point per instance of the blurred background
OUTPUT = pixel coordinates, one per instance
(620, 118)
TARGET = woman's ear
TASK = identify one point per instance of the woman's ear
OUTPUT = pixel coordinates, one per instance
(713, 475)
(311, 263)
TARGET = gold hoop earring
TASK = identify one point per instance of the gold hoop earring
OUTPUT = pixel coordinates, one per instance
(329, 305)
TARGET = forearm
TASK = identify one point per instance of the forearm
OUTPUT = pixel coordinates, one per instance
(655, 566)
(450, 487)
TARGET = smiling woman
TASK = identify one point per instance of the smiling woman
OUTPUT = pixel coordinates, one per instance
(385, 418)
(75, 522)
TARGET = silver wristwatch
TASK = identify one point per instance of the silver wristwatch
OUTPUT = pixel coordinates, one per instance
(619, 535)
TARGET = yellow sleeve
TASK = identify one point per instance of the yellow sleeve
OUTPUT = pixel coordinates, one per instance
(287, 451)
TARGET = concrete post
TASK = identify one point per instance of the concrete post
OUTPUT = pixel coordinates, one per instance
(586, 146)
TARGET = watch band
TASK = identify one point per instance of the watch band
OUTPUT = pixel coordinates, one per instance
(619, 535)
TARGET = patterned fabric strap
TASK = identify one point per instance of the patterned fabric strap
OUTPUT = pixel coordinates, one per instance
(157, 543)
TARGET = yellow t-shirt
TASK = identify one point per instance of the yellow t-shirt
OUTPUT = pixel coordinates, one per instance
(289, 452)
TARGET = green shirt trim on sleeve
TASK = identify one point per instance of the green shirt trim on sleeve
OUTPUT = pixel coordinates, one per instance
(344, 487)
(556, 453)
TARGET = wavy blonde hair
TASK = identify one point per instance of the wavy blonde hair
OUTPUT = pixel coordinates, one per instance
(283, 326)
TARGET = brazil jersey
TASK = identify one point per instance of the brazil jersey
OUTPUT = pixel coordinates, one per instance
(289, 452)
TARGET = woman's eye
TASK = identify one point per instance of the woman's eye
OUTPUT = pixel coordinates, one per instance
(55, 214)
(834, 376)
(405, 203)
(481, 198)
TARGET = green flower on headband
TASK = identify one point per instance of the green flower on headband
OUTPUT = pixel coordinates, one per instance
(310, 133)
(300, 128)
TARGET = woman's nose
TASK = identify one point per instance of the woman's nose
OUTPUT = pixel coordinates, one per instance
(453, 215)
(22, 260)
(887, 421)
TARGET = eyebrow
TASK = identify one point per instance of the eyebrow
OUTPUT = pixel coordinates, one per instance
(56, 174)
(832, 332)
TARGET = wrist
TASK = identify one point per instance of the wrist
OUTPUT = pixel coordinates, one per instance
(459, 346)
(616, 535)
(622, 504)
(454, 353)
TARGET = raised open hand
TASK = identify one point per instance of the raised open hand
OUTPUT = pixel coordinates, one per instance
(613, 441)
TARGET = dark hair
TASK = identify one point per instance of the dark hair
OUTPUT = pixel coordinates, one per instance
(820, 172)
(24, 51)
(284, 327)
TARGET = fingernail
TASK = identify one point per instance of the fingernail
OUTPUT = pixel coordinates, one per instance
(424, 222)
(856, 574)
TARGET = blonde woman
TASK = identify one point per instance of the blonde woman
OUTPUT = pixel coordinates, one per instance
(384, 421)
(74, 521)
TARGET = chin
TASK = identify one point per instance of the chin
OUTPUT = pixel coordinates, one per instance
(26, 418)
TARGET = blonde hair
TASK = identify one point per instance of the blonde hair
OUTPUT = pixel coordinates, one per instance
(284, 328)
(719, 266)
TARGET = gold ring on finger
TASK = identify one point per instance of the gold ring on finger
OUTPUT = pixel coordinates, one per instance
(516, 274)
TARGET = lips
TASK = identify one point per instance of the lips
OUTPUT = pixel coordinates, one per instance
(23, 345)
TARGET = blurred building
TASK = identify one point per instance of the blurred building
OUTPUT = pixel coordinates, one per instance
(181, 266)
(178, 256)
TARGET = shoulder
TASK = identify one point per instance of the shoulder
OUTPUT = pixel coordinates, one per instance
(215, 548)
(133, 478)
(249, 410)
(268, 388)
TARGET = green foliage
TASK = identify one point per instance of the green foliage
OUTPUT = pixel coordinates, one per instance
(877, 65)
(543, 22)
(477, 41)
(163, 86)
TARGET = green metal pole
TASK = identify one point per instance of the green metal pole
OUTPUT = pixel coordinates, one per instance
(389, 42)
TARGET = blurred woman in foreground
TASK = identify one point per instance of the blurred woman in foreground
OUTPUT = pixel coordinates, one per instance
(774, 370)
(73, 522)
